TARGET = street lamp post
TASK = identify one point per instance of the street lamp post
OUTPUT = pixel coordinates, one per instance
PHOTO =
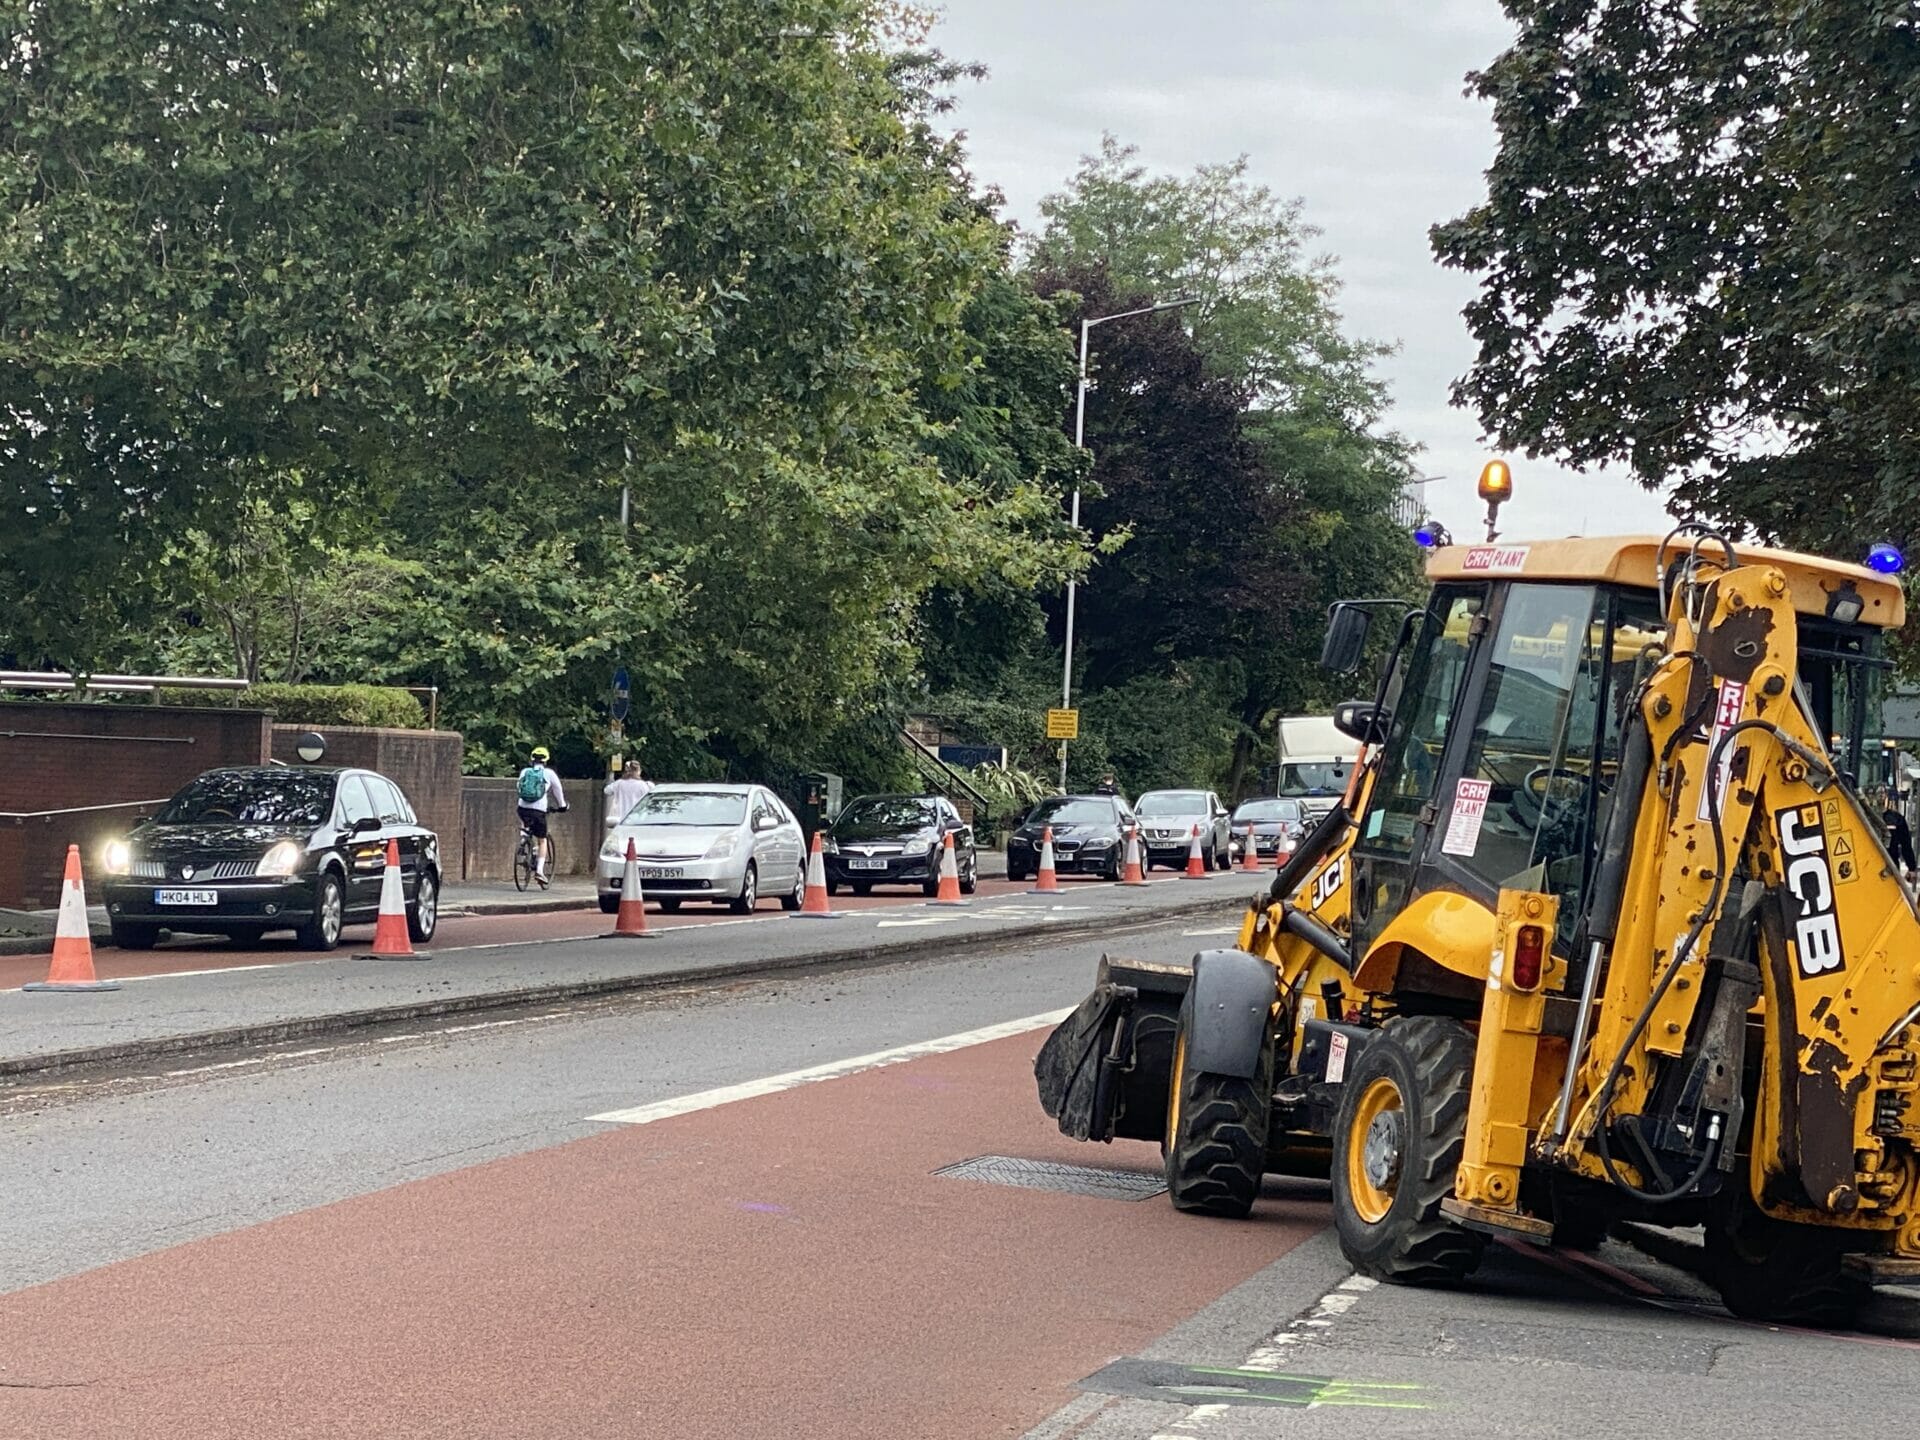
(1080, 443)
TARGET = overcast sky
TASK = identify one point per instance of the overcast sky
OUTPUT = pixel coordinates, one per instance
(1354, 106)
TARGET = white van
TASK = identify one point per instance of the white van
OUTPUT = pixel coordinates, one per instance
(1316, 761)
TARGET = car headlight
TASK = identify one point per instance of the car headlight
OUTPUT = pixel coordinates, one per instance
(613, 849)
(829, 845)
(723, 847)
(117, 857)
(282, 859)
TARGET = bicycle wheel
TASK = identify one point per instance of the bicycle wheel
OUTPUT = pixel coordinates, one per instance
(523, 863)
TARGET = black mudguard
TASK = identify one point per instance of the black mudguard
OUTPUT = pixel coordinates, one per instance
(1232, 999)
(1104, 1071)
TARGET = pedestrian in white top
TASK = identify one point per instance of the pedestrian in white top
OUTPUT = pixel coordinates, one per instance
(625, 792)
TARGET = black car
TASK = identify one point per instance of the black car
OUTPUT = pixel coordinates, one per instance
(1088, 835)
(1278, 824)
(897, 840)
(243, 851)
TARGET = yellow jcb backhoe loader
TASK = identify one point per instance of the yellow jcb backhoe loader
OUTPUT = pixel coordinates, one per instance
(1604, 931)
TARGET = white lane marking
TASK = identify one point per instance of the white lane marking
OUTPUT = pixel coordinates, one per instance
(923, 920)
(1216, 930)
(1271, 1355)
(832, 1070)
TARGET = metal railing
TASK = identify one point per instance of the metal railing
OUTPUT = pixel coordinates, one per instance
(939, 771)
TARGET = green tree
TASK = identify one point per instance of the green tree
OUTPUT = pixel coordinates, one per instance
(469, 271)
(1696, 256)
(1239, 446)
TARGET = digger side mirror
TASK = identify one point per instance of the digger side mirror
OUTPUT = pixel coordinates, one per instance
(1360, 720)
(1347, 627)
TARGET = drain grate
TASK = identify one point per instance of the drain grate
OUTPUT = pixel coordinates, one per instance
(1092, 1180)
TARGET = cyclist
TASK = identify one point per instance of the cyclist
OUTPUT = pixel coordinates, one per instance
(536, 792)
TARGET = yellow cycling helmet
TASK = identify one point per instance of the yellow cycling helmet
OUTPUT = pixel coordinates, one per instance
(540, 752)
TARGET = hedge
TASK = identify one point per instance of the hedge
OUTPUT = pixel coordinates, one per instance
(312, 704)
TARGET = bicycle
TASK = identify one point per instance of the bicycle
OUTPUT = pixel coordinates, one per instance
(527, 855)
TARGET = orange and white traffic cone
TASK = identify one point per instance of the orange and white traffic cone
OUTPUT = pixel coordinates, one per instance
(72, 964)
(1196, 866)
(390, 938)
(813, 905)
(1134, 874)
(949, 893)
(631, 921)
(1250, 857)
(1047, 880)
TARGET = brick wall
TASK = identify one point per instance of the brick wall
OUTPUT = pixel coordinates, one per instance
(79, 774)
(425, 764)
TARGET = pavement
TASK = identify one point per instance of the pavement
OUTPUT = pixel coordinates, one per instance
(193, 997)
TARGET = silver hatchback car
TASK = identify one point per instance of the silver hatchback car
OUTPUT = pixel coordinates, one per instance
(726, 843)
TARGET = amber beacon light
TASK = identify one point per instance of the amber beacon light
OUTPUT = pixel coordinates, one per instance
(1496, 488)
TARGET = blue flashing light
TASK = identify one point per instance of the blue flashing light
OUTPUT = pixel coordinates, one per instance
(1429, 535)
(1886, 559)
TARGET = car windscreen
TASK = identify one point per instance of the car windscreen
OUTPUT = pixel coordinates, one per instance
(1173, 802)
(688, 807)
(238, 797)
(1266, 810)
(887, 812)
(1068, 811)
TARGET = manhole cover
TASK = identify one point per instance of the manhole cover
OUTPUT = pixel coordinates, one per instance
(1093, 1180)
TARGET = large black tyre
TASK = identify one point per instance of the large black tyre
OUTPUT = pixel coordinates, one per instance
(1216, 1144)
(1397, 1143)
(1767, 1269)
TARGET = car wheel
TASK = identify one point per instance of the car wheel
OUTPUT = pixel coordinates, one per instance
(862, 890)
(1014, 872)
(798, 898)
(749, 896)
(323, 927)
(668, 906)
(423, 916)
(135, 937)
(970, 877)
(609, 904)
(1112, 872)
(833, 886)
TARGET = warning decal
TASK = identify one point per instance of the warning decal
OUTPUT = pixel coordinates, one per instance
(1469, 809)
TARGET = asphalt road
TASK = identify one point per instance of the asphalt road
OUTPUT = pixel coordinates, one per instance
(720, 1213)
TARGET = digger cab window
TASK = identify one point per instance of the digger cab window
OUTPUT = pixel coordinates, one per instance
(1422, 710)
(1545, 746)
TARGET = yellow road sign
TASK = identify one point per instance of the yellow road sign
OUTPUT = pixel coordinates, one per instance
(1063, 724)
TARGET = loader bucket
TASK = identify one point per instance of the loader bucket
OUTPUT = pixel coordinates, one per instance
(1103, 1072)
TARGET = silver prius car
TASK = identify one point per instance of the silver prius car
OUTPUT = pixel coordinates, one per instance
(727, 843)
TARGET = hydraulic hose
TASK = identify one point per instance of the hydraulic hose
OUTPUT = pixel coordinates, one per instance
(1604, 1096)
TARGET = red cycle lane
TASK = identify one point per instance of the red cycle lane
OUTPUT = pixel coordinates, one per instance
(201, 953)
(787, 1266)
